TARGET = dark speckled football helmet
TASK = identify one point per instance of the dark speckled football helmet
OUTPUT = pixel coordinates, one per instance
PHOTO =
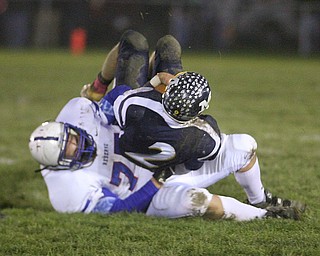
(187, 96)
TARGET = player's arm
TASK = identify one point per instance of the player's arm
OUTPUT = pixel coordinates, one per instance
(159, 82)
(96, 90)
(138, 201)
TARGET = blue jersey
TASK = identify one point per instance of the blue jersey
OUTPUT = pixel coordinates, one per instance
(152, 139)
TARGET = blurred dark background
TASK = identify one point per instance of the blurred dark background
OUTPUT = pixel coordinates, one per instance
(219, 25)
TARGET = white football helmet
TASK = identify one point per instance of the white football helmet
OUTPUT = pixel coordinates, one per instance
(48, 143)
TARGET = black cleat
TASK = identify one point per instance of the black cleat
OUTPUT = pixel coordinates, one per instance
(133, 60)
(283, 212)
(167, 56)
(277, 201)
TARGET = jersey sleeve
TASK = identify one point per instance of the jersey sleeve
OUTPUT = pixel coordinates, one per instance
(137, 201)
(82, 113)
(107, 102)
(209, 141)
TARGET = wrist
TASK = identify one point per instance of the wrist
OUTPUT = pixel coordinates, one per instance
(102, 80)
(155, 81)
(100, 84)
(165, 78)
(156, 183)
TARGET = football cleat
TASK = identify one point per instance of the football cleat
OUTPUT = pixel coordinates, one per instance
(283, 212)
(277, 201)
(167, 56)
(133, 60)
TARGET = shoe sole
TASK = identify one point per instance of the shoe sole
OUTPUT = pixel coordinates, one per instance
(132, 63)
(169, 49)
(167, 56)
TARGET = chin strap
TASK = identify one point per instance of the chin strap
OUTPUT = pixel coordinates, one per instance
(52, 168)
(41, 169)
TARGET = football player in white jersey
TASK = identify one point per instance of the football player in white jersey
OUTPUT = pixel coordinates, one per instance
(85, 172)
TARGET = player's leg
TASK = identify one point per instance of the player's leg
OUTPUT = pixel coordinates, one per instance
(151, 73)
(237, 155)
(177, 200)
(109, 66)
(167, 56)
(249, 177)
(222, 207)
(133, 60)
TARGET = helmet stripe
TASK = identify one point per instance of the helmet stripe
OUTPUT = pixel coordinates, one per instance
(46, 138)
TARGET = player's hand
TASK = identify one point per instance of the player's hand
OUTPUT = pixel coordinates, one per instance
(88, 91)
(158, 184)
(162, 175)
(165, 77)
(160, 81)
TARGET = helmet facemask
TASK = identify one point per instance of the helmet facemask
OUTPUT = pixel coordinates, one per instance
(48, 145)
(85, 152)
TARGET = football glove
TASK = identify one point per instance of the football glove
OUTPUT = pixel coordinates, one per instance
(88, 91)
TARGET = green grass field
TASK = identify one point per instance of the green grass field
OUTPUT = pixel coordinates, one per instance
(275, 99)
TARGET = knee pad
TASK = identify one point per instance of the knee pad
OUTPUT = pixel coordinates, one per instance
(179, 200)
(245, 143)
(198, 201)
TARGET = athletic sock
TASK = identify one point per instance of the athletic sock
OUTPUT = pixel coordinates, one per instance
(250, 181)
(234, 209)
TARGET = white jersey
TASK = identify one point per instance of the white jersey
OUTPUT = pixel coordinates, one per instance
(76, 191)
